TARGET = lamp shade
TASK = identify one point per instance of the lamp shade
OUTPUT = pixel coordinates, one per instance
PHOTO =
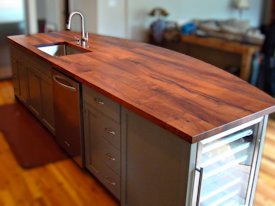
(241, 4)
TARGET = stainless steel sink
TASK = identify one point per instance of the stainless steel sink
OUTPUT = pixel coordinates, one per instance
(61, 49)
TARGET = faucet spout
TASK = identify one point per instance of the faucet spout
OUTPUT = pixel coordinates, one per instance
(84, 36)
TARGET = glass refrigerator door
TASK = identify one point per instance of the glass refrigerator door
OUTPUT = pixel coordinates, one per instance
(226, 165)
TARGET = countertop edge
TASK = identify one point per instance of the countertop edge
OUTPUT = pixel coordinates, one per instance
(232, 124)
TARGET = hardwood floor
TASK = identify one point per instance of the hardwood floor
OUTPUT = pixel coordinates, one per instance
(265, 193)
(60, 183)
(63, 183)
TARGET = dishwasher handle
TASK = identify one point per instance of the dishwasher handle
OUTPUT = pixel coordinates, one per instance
(63, 82)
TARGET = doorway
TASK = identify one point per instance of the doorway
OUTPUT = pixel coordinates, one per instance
(12, 22)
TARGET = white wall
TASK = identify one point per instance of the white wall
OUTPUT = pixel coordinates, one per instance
(41, 11)
(221, 9)
(55, 13)
(89, 9)
(31, 16)
(105, 17)
(111, 17)
(129, 18)
(138, 19)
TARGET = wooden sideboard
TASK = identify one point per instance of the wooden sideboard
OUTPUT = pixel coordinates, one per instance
(245, 50)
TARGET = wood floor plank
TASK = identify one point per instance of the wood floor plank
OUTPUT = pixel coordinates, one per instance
(32, 186)
(80, 184)
(65, 185)
(268, 167)
(6, 92)
(6, 198)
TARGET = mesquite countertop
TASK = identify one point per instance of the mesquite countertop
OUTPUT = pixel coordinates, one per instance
(186, 96)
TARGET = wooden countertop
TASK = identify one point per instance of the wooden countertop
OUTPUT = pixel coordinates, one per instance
(186, 96)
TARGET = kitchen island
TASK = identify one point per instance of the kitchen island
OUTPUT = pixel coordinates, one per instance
(165, 109)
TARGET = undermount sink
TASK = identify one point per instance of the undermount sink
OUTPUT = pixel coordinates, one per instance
(61, 49)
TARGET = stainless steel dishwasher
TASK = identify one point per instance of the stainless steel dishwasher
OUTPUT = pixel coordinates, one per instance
(68, 116)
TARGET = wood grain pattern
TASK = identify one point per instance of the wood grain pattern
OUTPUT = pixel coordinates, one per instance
(190, 98)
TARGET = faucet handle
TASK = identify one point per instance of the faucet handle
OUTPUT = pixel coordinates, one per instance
(77, 40)
(86, 36)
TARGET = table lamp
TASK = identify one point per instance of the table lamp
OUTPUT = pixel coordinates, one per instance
(241, 5)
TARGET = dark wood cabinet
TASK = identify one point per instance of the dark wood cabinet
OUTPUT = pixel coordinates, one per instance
(47, 103)
(32, 79)
(20, 75)
(34, 92)
(41, 92)
(102, 139)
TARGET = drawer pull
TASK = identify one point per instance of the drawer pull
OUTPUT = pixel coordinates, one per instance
(110, 131)
(110, 181)
(110, 157)
(99, 101)
(67, 144)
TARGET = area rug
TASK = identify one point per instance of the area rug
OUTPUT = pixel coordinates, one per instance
(30, 142)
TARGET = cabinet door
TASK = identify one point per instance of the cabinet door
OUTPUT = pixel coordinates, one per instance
(22, 72)
(156, 165)
(34, 92)
(20, 80)
(20, 75)
(47, 103)
(92, 145)
(41, 92)
(33, 85)
(15, 77)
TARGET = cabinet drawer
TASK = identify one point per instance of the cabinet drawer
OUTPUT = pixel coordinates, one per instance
(110, 156)
(101, 103)
(110, 179)
(109, 130)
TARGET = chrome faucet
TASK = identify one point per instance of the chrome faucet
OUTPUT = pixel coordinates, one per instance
(84, 35)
